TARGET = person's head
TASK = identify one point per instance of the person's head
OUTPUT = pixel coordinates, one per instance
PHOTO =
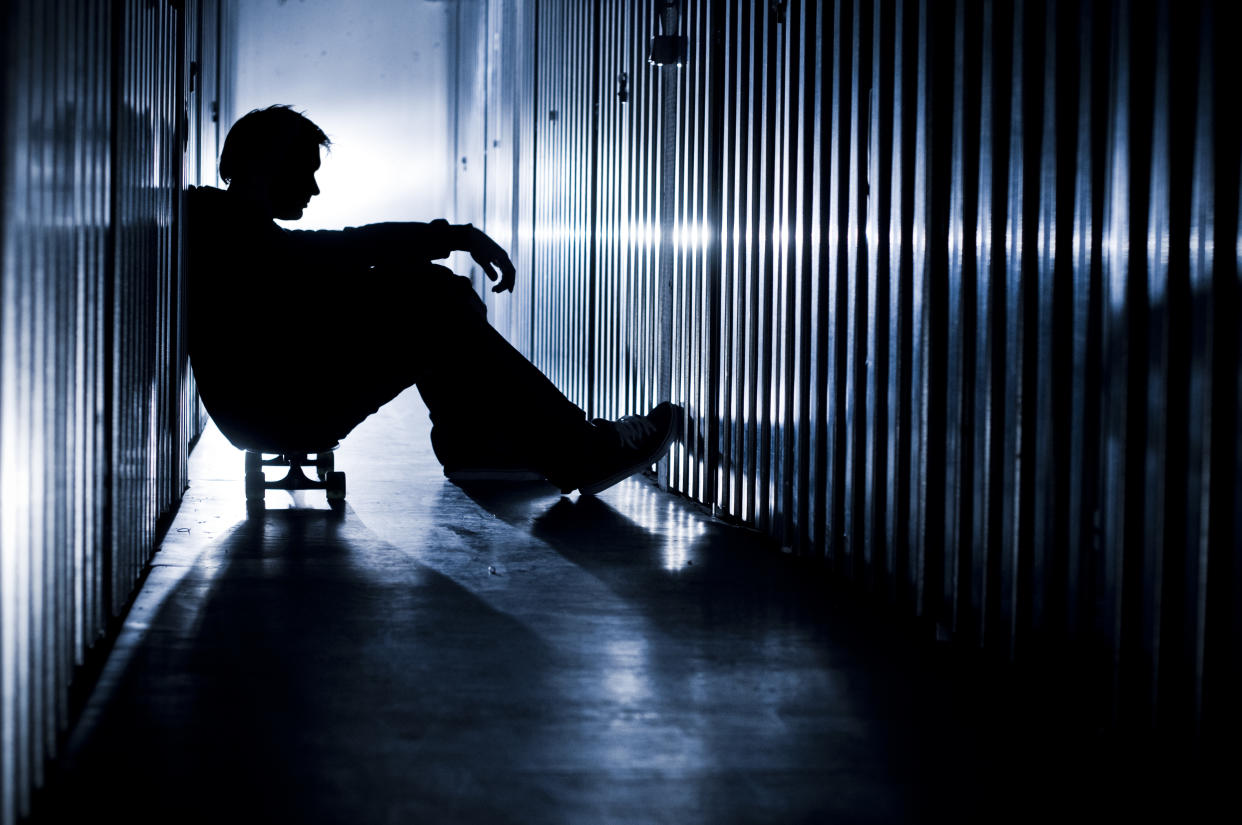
(271, 156)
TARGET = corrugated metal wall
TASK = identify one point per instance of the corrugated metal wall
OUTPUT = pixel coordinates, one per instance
(949, 292)
(102, 102)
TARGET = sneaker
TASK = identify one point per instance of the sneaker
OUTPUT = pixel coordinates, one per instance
(465, 459)
(631, 444)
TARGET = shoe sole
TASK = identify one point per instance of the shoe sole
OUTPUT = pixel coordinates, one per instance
(624, 473)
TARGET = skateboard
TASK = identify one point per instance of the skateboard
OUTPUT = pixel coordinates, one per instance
(327, 478)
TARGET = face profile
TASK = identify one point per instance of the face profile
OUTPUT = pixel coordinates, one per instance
(270, 158)
(291, 184)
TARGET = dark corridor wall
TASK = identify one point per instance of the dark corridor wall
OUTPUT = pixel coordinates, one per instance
(949, 291)
(108, 111)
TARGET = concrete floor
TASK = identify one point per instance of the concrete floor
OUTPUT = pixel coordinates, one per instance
(516, 656)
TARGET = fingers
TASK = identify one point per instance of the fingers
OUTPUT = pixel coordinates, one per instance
(497, 259)
(507, 275)
(491, 257)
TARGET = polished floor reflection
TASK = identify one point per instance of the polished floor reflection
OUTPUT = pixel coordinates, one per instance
(434, 654)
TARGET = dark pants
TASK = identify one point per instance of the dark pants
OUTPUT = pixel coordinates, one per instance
(427, 327)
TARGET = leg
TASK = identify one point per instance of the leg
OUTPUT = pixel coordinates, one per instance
(484, 397)
(429, 328)
(489, 405)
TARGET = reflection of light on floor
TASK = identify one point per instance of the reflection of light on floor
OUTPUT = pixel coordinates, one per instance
(625, 671)
(676, 524)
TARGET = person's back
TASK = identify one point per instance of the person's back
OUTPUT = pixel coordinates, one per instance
(276, 314)
(240, 307)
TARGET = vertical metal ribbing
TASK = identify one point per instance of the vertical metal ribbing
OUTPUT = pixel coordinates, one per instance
(626, 160)
(710, 420)
(787, 245)
(778, 391)
(1115, 358)
(1012, 284)
(1083, 414)
(758, 232)
(15, 496)
(1225, 608)
(500, 139)
(1158, 379)
(40, 322)
(576, 303)
(545, 130)
(92, 345)
(853, 274)
(758, 269)
(897, 416)
(956, 442)
(806, 236)
(834, 294)
(876, 193)
(919, 321)
(743, 419)
(689, 366)
(729, 230)
(917, 338)
(986, 416)
(699, 427)
(1204, 469)
(770, 275)
(1047, 510)
(77, 501)
(669, 131)
(524, 43)
(678, 345)
(646, 378)
(589, 217)
(58, 394)
(563, 280)
(742, 416)
(818, 288)
(603, 248)
(10, 36)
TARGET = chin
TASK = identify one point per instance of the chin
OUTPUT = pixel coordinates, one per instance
(290, 214)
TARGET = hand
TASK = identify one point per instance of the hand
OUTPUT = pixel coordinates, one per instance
(490, 257)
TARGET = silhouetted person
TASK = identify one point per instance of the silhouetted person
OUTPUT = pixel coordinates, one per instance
(297, 336)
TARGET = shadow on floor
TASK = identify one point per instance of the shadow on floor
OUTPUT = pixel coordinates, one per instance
(952, 736)
(636, 663)
(301, 673)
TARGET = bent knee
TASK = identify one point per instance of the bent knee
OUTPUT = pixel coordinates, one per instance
(453, 293)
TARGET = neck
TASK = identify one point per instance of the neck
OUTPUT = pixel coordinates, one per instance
(252, 198)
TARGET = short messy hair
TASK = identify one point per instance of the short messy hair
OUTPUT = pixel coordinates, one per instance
(263, 133)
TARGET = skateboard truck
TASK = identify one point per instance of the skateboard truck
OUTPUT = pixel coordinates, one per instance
(327, 478)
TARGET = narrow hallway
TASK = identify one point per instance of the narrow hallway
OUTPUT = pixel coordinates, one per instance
(432, 656)
(946, 295)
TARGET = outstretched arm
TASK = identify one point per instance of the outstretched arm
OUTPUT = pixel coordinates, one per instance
(394, 243)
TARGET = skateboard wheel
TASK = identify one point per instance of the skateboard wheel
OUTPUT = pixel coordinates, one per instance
(254, 485)
(335, 484)
(254, 462)
(324, 464)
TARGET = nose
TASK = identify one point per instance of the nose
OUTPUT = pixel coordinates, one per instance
(314, 187)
